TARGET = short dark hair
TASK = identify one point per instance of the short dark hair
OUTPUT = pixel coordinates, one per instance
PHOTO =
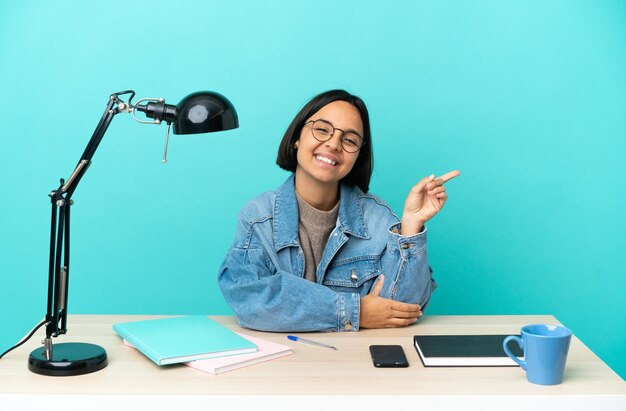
(362, 170)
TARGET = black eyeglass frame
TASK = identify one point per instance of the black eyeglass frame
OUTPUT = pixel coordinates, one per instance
(333, 133)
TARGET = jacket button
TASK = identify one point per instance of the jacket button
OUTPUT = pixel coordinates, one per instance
(348, 326)
(353, 276)
(406, 246)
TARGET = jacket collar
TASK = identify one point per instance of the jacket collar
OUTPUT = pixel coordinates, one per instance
(351, 220)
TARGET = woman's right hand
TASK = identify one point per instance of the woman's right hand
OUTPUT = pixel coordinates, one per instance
(379, 312)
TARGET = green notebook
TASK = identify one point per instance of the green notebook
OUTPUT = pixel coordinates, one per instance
(181, 339)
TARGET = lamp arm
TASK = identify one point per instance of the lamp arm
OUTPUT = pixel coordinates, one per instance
(58, 274)
(115, 105)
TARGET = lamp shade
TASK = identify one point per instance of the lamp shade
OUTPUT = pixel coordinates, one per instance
(204, 112)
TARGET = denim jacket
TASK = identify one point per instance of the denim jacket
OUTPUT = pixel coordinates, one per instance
(262, 276)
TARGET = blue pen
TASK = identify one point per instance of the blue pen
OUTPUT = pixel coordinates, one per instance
(304, 340)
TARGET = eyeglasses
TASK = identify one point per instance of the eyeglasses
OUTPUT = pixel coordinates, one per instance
(322, 130)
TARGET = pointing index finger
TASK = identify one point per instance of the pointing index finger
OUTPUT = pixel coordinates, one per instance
(449, 176)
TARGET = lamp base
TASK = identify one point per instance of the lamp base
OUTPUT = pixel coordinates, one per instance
(68, 359)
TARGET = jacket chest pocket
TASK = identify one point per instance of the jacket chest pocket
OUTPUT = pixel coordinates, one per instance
(352, 274)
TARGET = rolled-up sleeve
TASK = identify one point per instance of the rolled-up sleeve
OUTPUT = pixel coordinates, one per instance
(405, 263)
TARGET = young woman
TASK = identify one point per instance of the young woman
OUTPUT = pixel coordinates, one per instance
(320, 252)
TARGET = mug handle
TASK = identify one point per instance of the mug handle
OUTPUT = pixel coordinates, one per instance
(520, 342)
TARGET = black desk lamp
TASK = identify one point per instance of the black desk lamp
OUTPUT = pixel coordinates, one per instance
(200, 112)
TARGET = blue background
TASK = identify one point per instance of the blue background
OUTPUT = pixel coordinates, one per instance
(527, 99)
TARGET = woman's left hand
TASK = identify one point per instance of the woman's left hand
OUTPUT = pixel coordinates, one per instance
(425, 200)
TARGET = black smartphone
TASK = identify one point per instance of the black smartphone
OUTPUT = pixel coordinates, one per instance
(388, 356)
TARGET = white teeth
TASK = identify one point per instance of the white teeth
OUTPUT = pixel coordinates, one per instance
(326, 160)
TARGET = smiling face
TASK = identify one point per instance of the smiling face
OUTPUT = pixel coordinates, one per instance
(321, 165)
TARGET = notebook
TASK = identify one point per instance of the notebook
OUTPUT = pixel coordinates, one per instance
(465, 351)
(181, 339)
(268, 350)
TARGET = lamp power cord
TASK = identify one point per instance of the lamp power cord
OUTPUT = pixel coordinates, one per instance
(30, 334)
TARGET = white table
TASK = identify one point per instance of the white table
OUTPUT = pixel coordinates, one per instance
(312, 372)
